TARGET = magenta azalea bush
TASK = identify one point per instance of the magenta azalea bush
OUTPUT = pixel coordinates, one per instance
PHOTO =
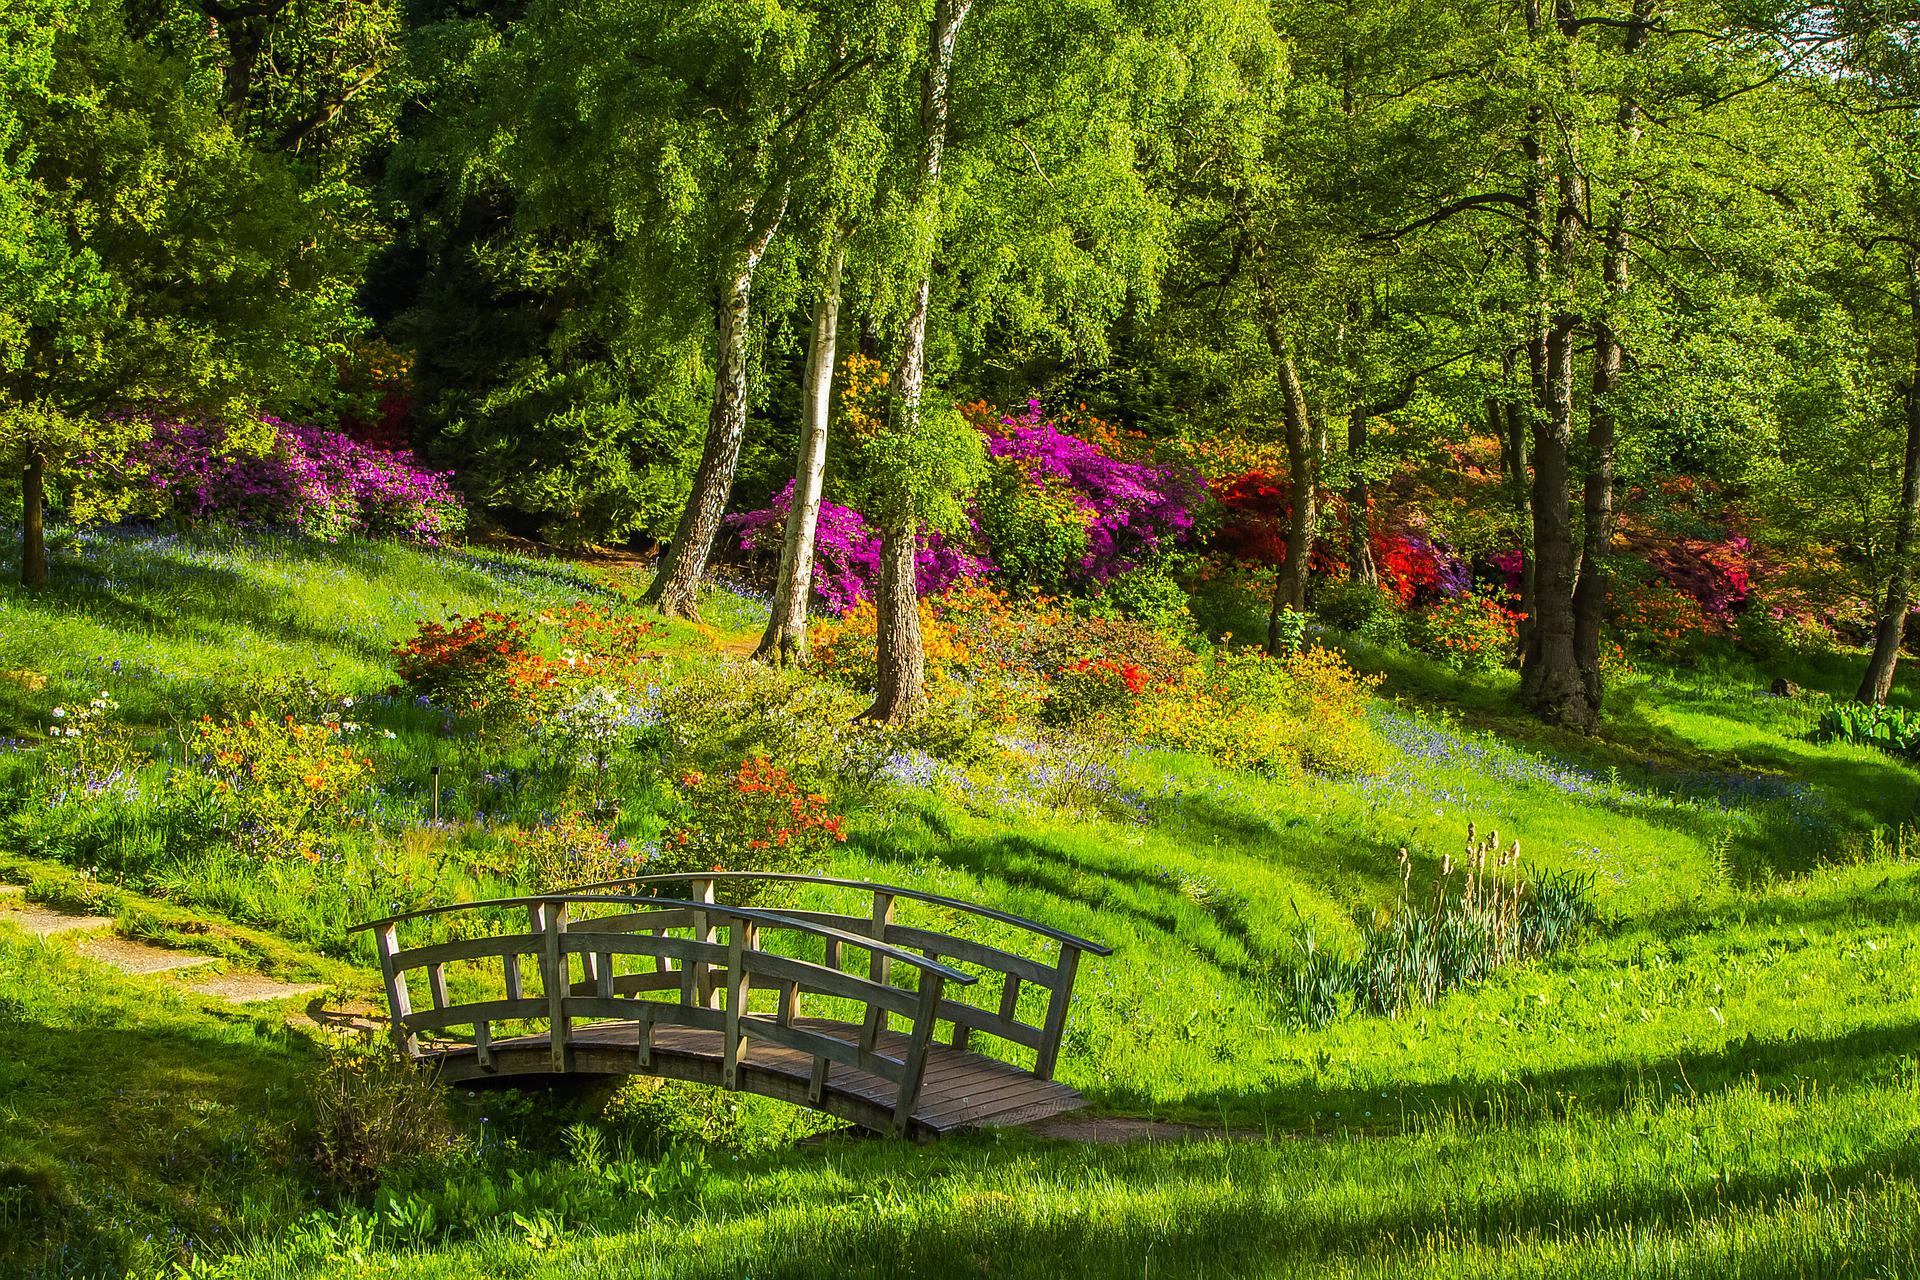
(1132, 509)
(319, 483)
(847, 552)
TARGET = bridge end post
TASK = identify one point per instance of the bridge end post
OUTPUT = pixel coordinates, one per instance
(924, 1018)
(387, 941)
(1062, 996)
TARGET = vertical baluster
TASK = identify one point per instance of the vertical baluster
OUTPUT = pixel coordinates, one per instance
(916, 1061)
(702, 992)
(879, 971)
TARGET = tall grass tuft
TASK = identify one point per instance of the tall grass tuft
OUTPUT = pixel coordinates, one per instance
(1485, 912)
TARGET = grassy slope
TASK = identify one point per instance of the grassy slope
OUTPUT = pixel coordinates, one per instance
(1724, 1077)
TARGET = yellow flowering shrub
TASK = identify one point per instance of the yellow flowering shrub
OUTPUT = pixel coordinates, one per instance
(1247, 710)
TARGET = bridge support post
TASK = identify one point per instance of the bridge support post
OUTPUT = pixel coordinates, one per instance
(743, 937)
(1062, 996)
(924, 1017)
(555, 979)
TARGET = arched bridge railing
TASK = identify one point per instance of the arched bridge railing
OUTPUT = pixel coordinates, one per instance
(1007, 972)
(600, 968)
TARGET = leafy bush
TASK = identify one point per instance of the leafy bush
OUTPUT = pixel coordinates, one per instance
(1037, 526)
(1361, 610)
(374, 1113)
(1149, 594)
(571, 850)
(1247, 710)
(1474, 632)
(1894, 729)
(1095, 692)
(1657, 618)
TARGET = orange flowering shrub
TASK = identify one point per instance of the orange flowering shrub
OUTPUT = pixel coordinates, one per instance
(279, 786)
(594, 641)
(1658, 618)
(1473, 632)
(754, 819)
(481, 666)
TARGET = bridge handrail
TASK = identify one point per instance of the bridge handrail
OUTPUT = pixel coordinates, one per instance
(755, 914)
(897, 891)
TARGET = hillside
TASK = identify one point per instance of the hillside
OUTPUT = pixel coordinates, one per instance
(1717, 1077)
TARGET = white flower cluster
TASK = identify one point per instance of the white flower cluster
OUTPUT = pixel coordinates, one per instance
(80, 721)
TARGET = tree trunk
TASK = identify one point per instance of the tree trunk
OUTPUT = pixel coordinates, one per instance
(1509, 419)
(1550, 671)
(676, 586)
(33, 529)
(1303, 521)
(1890, 631)
(1360, 565)
(786, 635)
(1609, 357)
(900, 691)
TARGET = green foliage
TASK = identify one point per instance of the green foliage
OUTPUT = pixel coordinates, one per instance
(1038, 532)
(1895, 729)
(1362, 610)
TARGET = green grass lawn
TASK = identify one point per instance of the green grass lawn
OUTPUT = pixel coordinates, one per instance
(1721, 1078)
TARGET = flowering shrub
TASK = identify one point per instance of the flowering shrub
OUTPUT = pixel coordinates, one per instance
(1247, 710)
(847, 552)
(1130, 510)
(570, 850)
(320, 483)
(480, 666)
(1038, 526)
(280, 786)
(1365, 612)
(754, 819)
(1095, 692)
(1657, 617)
(91, 750)
(1475, 633)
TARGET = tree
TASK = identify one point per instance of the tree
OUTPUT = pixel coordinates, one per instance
(154, 259)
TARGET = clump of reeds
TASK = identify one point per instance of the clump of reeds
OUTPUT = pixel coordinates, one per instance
(1485, 911)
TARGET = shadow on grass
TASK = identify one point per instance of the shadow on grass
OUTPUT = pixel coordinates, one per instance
(1789, 1065)
(1204, 1211)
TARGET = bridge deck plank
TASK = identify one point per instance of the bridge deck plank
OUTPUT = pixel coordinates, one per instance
(960, 1089)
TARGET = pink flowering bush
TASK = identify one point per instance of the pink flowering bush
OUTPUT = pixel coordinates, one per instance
(847, 552)
(316, 482)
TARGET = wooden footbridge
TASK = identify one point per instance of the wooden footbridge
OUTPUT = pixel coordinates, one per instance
(657, 976)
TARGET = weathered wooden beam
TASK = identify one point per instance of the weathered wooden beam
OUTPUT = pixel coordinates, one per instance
(554, 979)
(387, 943)
(916, 1062)
(1048, 1053)
(880, 969)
